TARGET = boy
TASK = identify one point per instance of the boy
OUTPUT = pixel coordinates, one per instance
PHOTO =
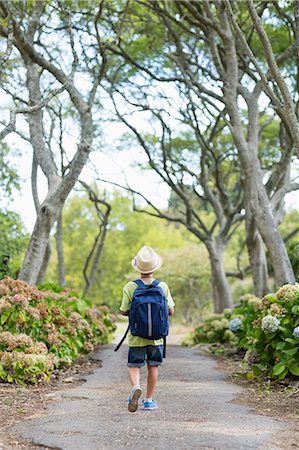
(141, 350)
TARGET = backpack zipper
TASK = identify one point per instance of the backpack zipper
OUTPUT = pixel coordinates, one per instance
(149, 318)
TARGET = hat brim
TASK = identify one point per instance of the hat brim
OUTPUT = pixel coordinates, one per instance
(140, 270)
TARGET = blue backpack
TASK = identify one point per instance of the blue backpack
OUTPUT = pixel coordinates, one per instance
(148, 315)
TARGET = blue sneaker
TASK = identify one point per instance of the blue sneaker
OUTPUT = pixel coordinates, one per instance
(150, 405)
(133, 399)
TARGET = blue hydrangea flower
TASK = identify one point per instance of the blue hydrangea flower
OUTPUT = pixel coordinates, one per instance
(270, 324)
(296, 331)
(235, 325)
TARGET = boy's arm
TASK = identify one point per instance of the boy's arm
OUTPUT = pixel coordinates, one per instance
(170, 311)
(169, 299)
(126, 300)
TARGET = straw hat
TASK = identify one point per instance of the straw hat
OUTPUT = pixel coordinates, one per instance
(146, 260)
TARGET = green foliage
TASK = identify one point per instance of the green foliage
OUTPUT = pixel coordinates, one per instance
(9, 179)
(267, 333)
(269, 144)
(215, 329)
(293, 252)
(13, 242)
(41, 330)
(289, 229)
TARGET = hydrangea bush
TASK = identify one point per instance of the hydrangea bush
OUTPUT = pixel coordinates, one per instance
(267, 328)
(215, 329)
(41, 330)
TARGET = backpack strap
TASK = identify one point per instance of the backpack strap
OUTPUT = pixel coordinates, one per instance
(122, 340)
(164, 347)
(141, 285)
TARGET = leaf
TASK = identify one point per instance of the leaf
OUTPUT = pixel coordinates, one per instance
(291, 352)
(271, 298)
(278, 369)
(294, 370)
(250, 375)
(79, 343)
(280, 345)
(2, 372)
(283, 374)
(256, 370)
(4, 317)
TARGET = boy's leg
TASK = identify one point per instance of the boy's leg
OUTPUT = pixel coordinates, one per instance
(136, 359)
(134, 376)
(152, 379)
(154, 360)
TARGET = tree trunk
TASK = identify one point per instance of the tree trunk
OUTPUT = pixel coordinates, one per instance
(45, 263)
(257, 257)
(60, 252)
(255, 191)
(260, 206)
(35, 253)
(221, 291)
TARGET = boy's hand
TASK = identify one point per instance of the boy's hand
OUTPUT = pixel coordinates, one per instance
(124, 313)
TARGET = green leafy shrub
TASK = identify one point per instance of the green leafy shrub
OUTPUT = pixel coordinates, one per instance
(41, 330)
(215, 329)
(269, 332)
(271, 336)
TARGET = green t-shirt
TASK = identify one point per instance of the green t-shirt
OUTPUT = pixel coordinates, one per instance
(128, 291)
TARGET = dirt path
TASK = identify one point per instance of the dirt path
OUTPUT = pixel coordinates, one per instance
(196, 411)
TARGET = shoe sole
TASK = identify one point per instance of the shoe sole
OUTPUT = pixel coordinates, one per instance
(150, 409)
(133, 403)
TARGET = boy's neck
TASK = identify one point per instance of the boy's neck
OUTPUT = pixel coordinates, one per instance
(147, 276)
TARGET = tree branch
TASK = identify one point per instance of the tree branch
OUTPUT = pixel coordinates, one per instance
(288, 109)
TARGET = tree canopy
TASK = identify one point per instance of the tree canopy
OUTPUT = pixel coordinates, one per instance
(207, 91)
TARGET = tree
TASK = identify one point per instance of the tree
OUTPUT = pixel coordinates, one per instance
(201, 54)
(43, 68)
(103, 209)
